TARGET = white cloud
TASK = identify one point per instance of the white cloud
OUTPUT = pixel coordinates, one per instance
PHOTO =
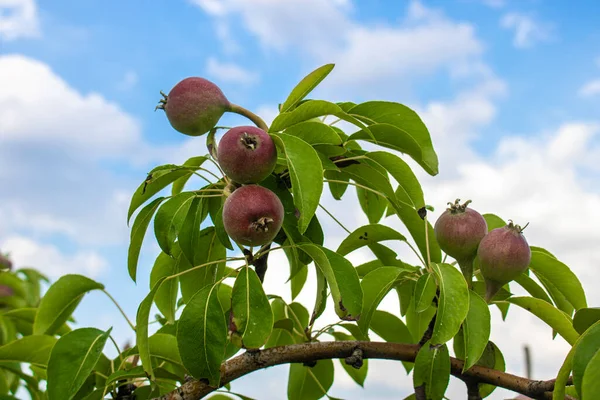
(18, 19)
(591, 88)
(129, 80)
(494, 3)
(230, 72)
(49, 260)
(598, 61)
(527, 30)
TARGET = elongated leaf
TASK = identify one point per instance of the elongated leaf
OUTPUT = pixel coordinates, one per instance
(20, 350)
(189, 235)
(550, 315)
(453, 304)
(375, 286)
(372, 204)
(584, 318)
(138, 231)
(586, 347)
(492, 358)
(432, 370)
(337, 189)
(533, 288)
(418, 323)
(252, 313)
(366, 235)
(305, 86)
(321, 298)
(315, 133)
(391, 329)
(169, 219)
(425, 290)
(564, 374)
(311, 109)
(166, 296)
(141, 328)
(159, 178)
(220, 229)
(560, 276)
(476, 330)
(60, 301)
(341, 278)
(306, 174)
(310, 383)
(179, 183)
(298, 280)
(202, 335)
(72, 359)
(591, 384)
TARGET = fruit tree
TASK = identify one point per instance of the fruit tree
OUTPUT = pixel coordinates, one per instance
(262, 185)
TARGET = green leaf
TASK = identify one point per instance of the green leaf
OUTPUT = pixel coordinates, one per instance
(169, 219)
(189, 235)
(315, 133)
(585, 317)
(220, 229)
(306, 383)
(425, 290)
(409, 189)
(321, 298)
(159, 178)
(564, 374)
(418, 323)
(72, 359)
(141, 328)
(138, 231)
(453, 304)
(493, 221)
(252, 315)
(306, 85)
(585, 348)
(408, 122)
(166, 296)
(306, 174)
(358, 375)
(202, 335)
(341, 278)
(311, 109)
(391, 329)
(375, 286)
(432, 370)
(492, 358)
(298, 280)
(372, 204)
(560, 276)
(591, 383)
(20, 350)
(337, 189)
(60, 301)
(556, 319)
(366, 235)
(476, 329)
(179, 183)
(533, 288)
(405, 292)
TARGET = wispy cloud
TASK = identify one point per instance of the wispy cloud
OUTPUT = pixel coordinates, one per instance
(527, 30)
(591, 88)
(129, 81)
(18, 19)
(230, 72)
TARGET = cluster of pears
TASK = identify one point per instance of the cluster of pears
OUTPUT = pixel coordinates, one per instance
(503, 253)
(252, 214)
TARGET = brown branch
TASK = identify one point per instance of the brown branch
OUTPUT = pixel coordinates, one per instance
(310, 352)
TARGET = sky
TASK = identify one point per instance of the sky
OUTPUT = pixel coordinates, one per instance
(510, 91)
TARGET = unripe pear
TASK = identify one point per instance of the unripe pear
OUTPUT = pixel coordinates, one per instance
(504, 254)
(194, 106)
(247, 154)
(459, 231)
(252, 215)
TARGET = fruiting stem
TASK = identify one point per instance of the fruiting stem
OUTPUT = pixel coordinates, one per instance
(491, 288)
(427, 243)
(258, 121)
(120, 309)
(466, 266)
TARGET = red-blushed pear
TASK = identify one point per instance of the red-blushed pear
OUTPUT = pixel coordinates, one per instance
(504, 254)
(459, 231)
(252, 215)
(247, 154)
(194, 106)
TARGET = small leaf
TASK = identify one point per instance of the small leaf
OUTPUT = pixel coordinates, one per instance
(20, 350)
(425, 290)
(321, 298)
(159, 178)
(169, 219)
(305, 86)
(189, 235)
(306, 174)
(492, 358)
(366, 235)
(341, 278)
(453, 304)
(372, 204)
(357, 375)
(166, 296)
(337, 189)
(60, 301)
(375, 286)
(298, 280)
(220, 230)
(72, 359)
(179, 183)
(586, 317)
(141, 328)
(476, 330)
(585, 348)
(138, 231)
(432, 370)
(493, 221)
(202, 335)
(405, 292)
(252, 313)
(418, 323)
(591, 383)
(391, 329)
(556, 319)
(306, 383)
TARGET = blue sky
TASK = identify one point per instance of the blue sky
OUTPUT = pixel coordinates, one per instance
(509, 89)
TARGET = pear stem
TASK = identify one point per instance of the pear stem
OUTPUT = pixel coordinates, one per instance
(466, 266)
(491, 288)
(258, 121)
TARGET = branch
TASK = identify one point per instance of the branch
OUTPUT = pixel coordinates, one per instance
(311, 352)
